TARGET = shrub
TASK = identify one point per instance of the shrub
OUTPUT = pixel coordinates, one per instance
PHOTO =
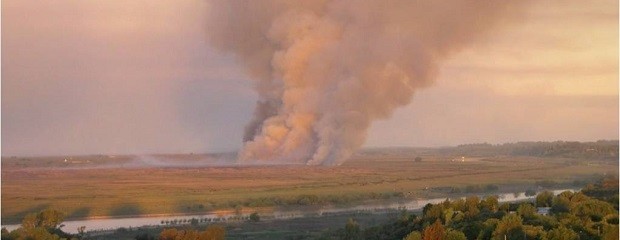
(254, 217)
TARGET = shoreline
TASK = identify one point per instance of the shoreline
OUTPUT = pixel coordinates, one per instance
(102, 223)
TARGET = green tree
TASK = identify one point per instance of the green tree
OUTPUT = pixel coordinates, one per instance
(452, 234)
(471, 206)
(510, 227)
(434, 212)
(472, 201)
(561, 204)
(544, 199)
(566, 194)
(490, 203)
(504, 207)
(488, 229)
(562, 233)
(526, 210)
(471, 229)
(447, 215)
(593, 209)
(534, 232)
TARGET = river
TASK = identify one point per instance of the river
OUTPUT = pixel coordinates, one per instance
(97, 224)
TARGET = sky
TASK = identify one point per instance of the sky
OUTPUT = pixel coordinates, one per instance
(117, 77)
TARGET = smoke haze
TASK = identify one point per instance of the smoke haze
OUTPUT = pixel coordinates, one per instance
(146, 77)
(325, 70)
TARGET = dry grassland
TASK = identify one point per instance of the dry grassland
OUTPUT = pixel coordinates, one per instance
(91, 192)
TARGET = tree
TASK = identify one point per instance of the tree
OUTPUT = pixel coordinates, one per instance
(447, 215)
(526, 210)
(42, 225)
(593, 209)
(511, 226)
(490, 203)
(488, 227)
(81, 230)
(194, 221)
(472, 201)
(561, 204)
(562, 233)
(544, 199)
(434, 212)
(534, 232)
(504, 207)
(254, 217)
(435, 231)
(49, 218)
(415, 235)
(352, 230)
(455, 235)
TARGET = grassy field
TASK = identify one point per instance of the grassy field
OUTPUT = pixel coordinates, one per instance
(95, 186)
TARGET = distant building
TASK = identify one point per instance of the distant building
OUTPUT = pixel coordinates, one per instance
(543, 211)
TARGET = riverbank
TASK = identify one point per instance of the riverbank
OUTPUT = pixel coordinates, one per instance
(107, 225)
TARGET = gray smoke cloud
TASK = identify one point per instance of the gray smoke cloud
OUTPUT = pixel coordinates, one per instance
(326, 69)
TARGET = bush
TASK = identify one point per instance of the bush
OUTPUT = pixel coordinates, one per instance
(254, 217)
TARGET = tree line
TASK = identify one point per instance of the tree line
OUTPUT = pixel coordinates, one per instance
(602, 149)
(589, 214)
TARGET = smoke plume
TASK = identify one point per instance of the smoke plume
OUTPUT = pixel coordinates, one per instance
(325, 69)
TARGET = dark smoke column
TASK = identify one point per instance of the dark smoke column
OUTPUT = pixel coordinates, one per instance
(324, 70)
